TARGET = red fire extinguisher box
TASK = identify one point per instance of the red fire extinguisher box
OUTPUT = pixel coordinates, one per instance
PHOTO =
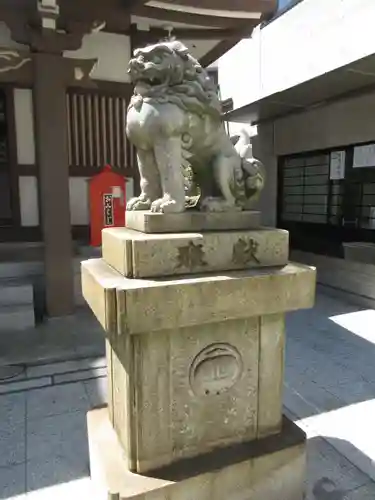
(107, 203)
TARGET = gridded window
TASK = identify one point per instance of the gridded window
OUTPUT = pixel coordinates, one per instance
(365, 211)
(306, 189)
(308, 195)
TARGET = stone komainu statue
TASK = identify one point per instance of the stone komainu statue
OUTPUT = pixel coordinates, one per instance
(174, 121)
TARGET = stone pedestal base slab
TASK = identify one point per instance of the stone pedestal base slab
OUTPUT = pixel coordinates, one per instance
(145, 305)
(271, 468)
(191, 220)
(139, 255)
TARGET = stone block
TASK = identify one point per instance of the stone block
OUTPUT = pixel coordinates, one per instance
(16, 294)
(191, 221)
(182, 392)
(18, 317)
(271, 373)
(99, 282)
(12, 270)
(360, 252)
(145, 305)
(190, 390)
(138, 255)
(271, 468)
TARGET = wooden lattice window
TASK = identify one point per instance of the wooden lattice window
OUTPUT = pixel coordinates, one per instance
(96, 130)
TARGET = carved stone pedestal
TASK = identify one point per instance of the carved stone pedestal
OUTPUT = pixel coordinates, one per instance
(195, 348)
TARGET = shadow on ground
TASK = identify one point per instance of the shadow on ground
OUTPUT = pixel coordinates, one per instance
(330, 476)
(43, 439)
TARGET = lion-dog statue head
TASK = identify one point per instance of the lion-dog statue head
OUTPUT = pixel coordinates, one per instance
(166, 72)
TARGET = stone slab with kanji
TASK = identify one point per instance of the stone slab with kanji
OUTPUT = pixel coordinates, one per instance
(139, 255)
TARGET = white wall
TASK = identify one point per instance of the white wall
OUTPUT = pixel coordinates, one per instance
(263, 149)
(235, 128)
(24, 121)
(28, 189)
(111, 50)
(312, 38)
(239, 75)
(28, 185)
(348, 121)
(78, 198)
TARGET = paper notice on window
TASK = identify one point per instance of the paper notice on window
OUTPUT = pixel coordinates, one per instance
(364, 156)
(337, 165)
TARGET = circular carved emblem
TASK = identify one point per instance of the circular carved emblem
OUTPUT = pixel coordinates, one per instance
(215, 369)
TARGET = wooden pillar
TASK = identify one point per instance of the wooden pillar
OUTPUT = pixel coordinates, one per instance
(49, 73)
(52, 155)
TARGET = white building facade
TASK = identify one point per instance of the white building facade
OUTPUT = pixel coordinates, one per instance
(306, 79)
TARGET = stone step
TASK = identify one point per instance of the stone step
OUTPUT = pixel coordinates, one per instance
(18, 317)
(87, 252)
(26, 259)
(13, 270)
(14, 295)
(26, 251)
(20, 252)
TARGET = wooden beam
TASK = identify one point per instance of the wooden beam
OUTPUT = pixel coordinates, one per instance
(16, 20)
(216, 52)
(131, 5)
(154, 35)
(185, 17)
(53, 167)
(113, 12)
(15, 66)
(255, 6)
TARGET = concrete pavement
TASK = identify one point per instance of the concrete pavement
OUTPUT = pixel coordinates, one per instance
(329, 391)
